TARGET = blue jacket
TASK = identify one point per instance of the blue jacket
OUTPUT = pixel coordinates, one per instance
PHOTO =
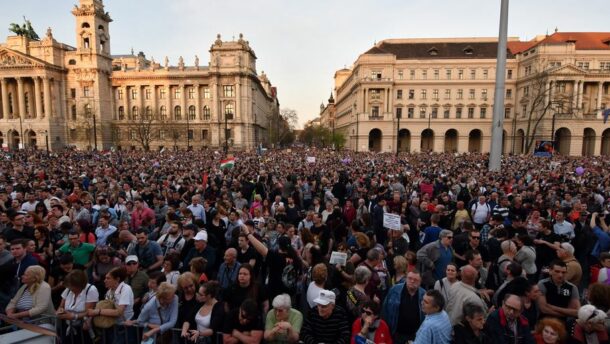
(391, 306)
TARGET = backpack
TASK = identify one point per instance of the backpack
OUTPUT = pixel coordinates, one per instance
(290, 277)
(494, 281)
(464, 194)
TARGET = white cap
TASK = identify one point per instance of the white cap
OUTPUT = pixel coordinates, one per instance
(325, 297)
(202, 235)
(131, 258)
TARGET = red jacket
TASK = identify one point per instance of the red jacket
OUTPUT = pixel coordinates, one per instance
(382, 334)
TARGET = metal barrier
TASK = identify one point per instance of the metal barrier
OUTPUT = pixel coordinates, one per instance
(46, 322)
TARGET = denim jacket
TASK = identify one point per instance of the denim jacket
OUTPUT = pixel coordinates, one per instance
(391, 306)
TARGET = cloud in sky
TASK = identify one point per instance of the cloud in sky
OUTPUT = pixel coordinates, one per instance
(300, 44)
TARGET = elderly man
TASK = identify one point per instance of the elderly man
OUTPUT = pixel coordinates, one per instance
(506, 325)
(434, 257)
(566, 254)
(197, 209)
(283, 323)
(328, 324)
(227, 273)
(201, 249)
(402, 308)
(464, 292)
(436, 328)
(159, 314)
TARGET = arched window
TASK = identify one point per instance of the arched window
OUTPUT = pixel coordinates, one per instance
(206, 113)
(163, 113)
(149, 113)
(72, 62)
(86, 43)
(134, 112)
(177, 113)
(85, 25)
(121, 113)
(229, 111)
(192, 112)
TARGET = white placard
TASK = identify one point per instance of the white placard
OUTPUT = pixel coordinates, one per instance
(311, 159)
(338, 258)
(391, 221)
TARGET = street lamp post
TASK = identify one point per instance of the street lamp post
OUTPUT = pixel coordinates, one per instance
(21, 132)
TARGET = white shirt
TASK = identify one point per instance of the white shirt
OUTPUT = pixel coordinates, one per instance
(87, 295)
(480, 212)
(27, 206)
(123, 295)
(313, 291)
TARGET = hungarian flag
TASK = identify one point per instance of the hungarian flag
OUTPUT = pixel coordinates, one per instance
(227, 163)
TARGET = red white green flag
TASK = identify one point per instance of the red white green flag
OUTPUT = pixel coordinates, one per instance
(227, 163)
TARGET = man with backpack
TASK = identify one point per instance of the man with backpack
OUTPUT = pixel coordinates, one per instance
(172, 241)
(480, 212)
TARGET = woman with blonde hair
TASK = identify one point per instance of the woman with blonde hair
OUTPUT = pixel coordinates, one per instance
(400, 266)
(33, 298)
(159, 314)
(550, 331)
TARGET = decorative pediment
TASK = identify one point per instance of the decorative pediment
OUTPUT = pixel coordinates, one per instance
(11, 58)
(567, 70)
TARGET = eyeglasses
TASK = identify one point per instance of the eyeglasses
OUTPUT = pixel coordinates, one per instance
(369, 313)
(449, 237)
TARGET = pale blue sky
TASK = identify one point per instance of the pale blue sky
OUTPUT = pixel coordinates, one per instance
(300, 44)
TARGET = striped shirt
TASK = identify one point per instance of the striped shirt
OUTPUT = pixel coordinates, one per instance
(25, 302)
(334, 329)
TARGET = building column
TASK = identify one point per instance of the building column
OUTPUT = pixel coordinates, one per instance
(184, 110)
(168, 104)
(439, 143)
(37, 99)
(485, 142)
(598, 106)
(155, 109)
(238, 100)
(597, 147)
(214, 103)
(462, 145)
(20, 97)
(56, 104)
(4, 90)
(141, 90)
(416, 143)
(126, 102)
(46, 86)
(576, 145)
(581, 87)
(547, 96)
(575, 95)
(198, 114)
(364, 102)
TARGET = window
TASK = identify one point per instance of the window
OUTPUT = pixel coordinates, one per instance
(206, 93)
(375, 111)
(560, 87)
(436, 74)
(134, 113)
(470, 112)
(73, 93)
(412, 74)
(473, 74)
(447, 93)
(163, 113)
(147, 93)
(190, 134)
(410, 112)
(448, 74)
(162, 134)
(73, 112)
(399, 112)
(509, 93)
(485, 73)
(177, 113)
(121, 112)
(524, 109)
(554, 64)
(484, 94)
(435, 94)
(400, 75)
(528, 70)
(422, 112)
(86, 92)
(177, 93)
(460, 94)
(148, 113)
(134, 93)
(424, 74)
(229, 111)
(411, 94)
(206, 113)
(446, 113)
(376, 75)
(205, 135)
(132, 134)
(162, 93)
(471, 93)
(399, 94)
(604, 65)
(483, 112)
(507, 112)
(526, 91)
(458, 112)
(583, 65)
(423, 94)
(120, 93)
(227, 90)
(192, 112)
(375, 94)
(509, 74)
(434, 112)
(460, 74)
(191, 92)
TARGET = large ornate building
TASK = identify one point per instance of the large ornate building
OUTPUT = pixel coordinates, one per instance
(437, 95)
(85, 97)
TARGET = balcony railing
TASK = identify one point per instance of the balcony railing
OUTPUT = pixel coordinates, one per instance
(369, 79)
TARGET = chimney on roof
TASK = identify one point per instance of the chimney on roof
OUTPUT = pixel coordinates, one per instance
(556, 29)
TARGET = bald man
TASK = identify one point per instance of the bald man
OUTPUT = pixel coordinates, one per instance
(464, 292)
(227, 273)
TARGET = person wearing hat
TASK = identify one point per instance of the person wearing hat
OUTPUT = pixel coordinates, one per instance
(202, 249)
(136, 279)
(327, 323)
(566, 254)
(590, 326)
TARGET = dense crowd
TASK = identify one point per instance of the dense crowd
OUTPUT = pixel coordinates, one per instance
(306, 245)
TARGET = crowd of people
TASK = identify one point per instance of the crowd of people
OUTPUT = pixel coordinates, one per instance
(305, 245)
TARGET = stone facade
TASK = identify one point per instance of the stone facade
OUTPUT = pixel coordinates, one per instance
(437, 95)
(85, 97)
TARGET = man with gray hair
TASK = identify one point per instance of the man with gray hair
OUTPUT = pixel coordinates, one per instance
(566, 254)
(434, 257)
(283, 323)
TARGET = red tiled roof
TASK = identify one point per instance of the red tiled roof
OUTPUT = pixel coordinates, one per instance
(583, 41)
(517, 47)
